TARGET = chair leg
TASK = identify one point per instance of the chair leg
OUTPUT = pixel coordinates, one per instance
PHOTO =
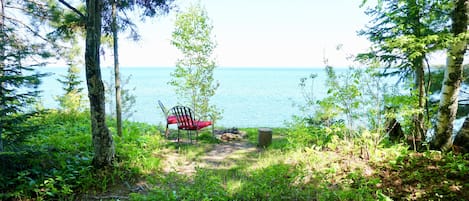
(178, 136)
(166, 133)
(190, 135)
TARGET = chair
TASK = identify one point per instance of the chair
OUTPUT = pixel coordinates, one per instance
(186, 121)
(170, 119)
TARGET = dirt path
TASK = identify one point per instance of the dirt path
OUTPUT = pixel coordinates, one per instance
(216, 156)
(225, 155)
(220, 156)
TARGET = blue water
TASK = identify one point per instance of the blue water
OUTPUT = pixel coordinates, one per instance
(249, 97)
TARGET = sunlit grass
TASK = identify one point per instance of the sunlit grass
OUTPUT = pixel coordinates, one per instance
(60, 167)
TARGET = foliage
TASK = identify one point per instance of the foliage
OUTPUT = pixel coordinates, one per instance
(114, 22)
(71, 102)
(345, 90)
(145, 8)
(69, 22)
(68, 28)
(405, 30)
(403, 34)
(355, 102)
(19, 79)
(402, 107)
(302, 134)
(73, 99)
(71, 82)
(453, 77)
(193, 77)
(93, 20)
(55, 164)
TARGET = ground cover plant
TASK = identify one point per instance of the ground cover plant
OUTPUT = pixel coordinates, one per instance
(363, 141)
(56, 165)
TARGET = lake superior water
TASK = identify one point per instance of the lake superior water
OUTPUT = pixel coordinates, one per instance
(249, 97)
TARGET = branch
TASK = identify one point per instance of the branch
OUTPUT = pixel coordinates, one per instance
(72, 8)
(31, 30)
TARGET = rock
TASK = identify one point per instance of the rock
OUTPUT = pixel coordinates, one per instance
(230, 134)
(230, 137)
(243, 134)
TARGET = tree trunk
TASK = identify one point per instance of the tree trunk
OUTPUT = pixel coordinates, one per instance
(414, 15)
(2, 66)
(452, 80)
(462, 139)
(102, 139)
(419, 119)
(117, 78)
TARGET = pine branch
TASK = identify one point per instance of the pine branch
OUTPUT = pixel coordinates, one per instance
(31, 29)
(72, 8)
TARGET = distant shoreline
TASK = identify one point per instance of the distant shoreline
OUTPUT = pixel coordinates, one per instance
(220, 67)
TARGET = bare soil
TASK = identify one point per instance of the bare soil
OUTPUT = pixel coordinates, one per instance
(219, 156)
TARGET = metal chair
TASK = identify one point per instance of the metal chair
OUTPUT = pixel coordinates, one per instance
(186, 121)
(170, 119)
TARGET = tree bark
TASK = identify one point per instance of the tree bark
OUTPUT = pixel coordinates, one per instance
(117, 79)
(452, 80)
(102, 138)
(419, 119)
(2, 66)
(462, 138)
(414, 16)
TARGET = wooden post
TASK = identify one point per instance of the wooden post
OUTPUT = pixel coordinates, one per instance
(264, 137)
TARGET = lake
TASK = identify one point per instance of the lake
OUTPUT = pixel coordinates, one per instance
(249, 97)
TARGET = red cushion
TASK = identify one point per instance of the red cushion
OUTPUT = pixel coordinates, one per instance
(196, 126)
(172, 119)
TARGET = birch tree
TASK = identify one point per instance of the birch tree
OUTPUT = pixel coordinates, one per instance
(448, 106)
(193, 77)
(403, 33)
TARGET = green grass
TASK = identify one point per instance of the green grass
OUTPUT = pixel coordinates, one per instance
(55, 164)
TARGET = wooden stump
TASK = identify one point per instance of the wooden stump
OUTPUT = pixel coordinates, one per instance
(264, 138)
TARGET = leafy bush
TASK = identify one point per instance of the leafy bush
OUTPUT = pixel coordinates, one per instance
(356, 103)
(301, 135)
(42, 172)
(55, 164)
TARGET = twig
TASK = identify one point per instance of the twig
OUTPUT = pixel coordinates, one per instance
(72, 8)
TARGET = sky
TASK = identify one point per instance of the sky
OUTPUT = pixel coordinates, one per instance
(259, 33)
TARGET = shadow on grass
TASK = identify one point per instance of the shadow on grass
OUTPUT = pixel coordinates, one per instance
(275, 182)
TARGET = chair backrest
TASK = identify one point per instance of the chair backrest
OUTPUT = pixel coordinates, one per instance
(165, 112)
(184, 116)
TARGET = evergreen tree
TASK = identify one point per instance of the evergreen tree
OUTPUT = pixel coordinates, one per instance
(72, 99)
(21, 46)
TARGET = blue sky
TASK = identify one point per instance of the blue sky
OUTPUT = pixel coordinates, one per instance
(260, 33)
